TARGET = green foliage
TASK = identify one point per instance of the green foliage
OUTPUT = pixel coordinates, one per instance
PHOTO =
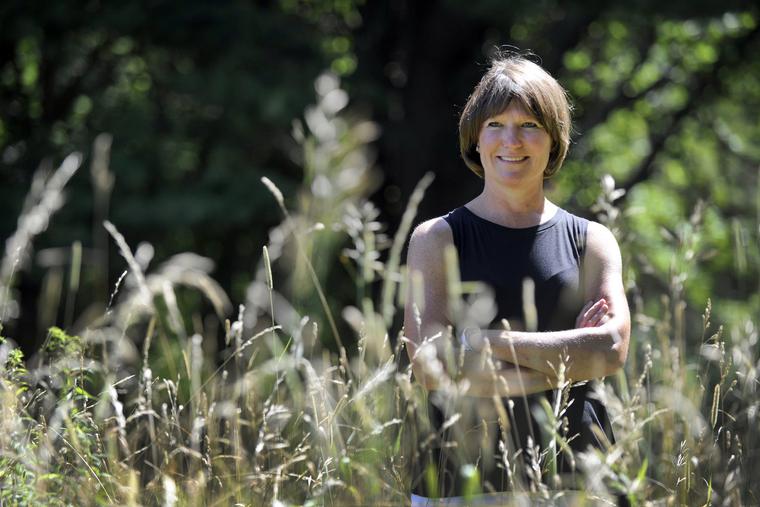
(301, 424)
(50, 457)
(669, 136)
(59, 344)
(155, 400)
(202, 106)
(197, 103)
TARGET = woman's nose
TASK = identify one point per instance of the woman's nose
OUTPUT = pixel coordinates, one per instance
(511, 136)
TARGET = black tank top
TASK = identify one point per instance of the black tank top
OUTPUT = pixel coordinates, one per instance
(502, 257)
(550, 254)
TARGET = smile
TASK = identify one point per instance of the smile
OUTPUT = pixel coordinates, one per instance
(511, 159)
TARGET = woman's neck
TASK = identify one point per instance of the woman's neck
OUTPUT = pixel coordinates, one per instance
(514, 208)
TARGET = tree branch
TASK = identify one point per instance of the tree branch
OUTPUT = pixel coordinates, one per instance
(707, 83)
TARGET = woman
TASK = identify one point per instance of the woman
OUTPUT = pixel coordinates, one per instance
(555, 278)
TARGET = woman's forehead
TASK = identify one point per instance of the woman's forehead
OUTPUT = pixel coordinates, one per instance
(513, 106)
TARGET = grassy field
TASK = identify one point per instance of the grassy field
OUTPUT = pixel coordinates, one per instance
(310, 405)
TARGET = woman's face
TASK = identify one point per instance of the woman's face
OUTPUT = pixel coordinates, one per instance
(514, 147)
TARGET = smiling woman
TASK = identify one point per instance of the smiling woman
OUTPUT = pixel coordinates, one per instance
(513, 146)
(555, 278)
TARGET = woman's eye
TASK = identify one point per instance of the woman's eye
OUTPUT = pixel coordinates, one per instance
(530, 124)
(494, 124)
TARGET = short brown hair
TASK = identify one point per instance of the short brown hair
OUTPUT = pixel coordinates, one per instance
(515, 77)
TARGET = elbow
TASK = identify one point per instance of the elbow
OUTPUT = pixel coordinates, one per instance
(600, 363)
(617, 352)
(428, 378)
(427, 368)
(615, 360)
(425, 381)
(608, 353)
(418, 368)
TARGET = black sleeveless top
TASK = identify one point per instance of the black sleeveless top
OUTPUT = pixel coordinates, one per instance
(551, 255)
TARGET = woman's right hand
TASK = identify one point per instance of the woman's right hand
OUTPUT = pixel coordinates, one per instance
(594, 314)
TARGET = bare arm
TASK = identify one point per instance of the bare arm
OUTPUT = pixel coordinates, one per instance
(591, 351)
(427, 319)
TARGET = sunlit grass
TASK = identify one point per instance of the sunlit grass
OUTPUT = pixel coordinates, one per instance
(306, 408)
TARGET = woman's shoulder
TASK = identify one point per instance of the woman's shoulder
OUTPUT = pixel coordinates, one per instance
(599, 237)
(427, 245)
(572, 217)
(433, 232)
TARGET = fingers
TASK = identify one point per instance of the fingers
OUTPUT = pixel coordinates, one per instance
(580, 318)
(599, 317)
(597, 313)
(587, 311)
(593, 314)
(586, 308)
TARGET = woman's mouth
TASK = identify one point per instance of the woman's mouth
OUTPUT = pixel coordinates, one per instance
(511, 159)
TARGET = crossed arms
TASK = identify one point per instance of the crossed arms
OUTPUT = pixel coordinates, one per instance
(596, 347)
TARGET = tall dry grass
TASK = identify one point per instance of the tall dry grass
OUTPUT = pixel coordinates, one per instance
(139, 407)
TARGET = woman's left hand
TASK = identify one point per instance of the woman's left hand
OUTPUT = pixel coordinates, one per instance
(594, 314)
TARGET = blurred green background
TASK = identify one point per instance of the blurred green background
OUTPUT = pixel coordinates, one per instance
(200, 97)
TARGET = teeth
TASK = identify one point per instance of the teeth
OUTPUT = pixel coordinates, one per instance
(512, 159)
